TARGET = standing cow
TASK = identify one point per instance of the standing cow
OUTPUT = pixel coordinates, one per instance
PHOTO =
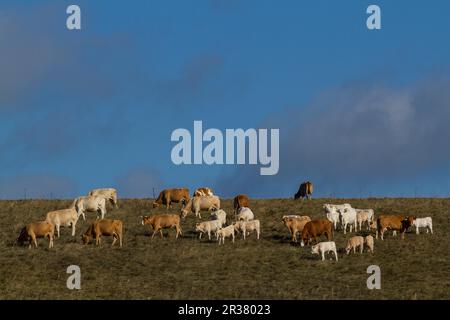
(90, 204)
(109, 194)
(304, 191)
(167, 196)
(241, 200)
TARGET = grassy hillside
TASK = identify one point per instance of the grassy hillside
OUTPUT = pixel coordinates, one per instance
(271, 268)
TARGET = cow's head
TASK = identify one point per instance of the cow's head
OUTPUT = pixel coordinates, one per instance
(315, 249)
(155, 204)
(408, 221)
(86, 238)
(184, 212)
(198, 227)
(146, 220)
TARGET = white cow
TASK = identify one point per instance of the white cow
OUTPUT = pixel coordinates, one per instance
(248, 226)
(220, 215)
(109, 194)
(90, 204)
(63, 218)
(423, 223)
(245, 213)
(348, 217)
(333, 216)
(223, 233)
(208, 227)
(323, 247)
(328, 207)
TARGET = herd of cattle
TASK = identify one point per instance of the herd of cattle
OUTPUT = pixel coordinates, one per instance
(244, 221)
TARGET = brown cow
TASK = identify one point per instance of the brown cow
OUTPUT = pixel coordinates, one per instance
(167, 196)
(163, 221)
(295, 224)
(104, 227)
(241, 200)
(41, 229)
(396, 223)
(305, 190)
(316, 228)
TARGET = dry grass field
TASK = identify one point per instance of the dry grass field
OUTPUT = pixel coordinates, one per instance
(188, 268)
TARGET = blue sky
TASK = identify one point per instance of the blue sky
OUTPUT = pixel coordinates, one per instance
(96, 107)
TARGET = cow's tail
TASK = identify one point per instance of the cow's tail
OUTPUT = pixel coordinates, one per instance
(74, 203)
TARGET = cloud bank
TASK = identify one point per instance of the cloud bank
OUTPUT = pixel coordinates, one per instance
(358, 138)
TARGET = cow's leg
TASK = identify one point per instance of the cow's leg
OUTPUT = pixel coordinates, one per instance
(345, 228)
(244, 232)
(161, 233)
(257, 234)
(417, 230)
(50, 242)
(354, 249)
(335, 254)
(114, 240)
(57, 229)
(361, 249)
(200, 235)
(323, 255)
(209, 234)
(34, 240)
(73, 229)
(232, 236)
(120, 239)
(154, 231)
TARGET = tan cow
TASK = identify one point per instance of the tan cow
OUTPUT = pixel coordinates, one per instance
(63, 218)
(109, 194)
(163, 221)
(368, 240)
(295, 224)
(196, 204)
(395, 223)
(204, 191)
(241, 200)
(364, 215)
(353, 243)
(167, 196)
(32, 231)
(104, 227)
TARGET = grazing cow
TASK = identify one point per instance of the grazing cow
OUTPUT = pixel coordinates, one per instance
(348, 217)
(423, 223)
(223, 233)
(353, 243)
(241, 200)
(208, 227)
(364, 215)
(32, 231)
(196, 204)
(163, 221)
(104, 227)
(329, 207)
(248, 226)
(220, 215)
(90, 204)
(323, 247)
(167, 196)
(316, 228)
(396, 223)
(369, 242)
(245, 214)
(109, 194)
(63, 218)
(204, 191)
(332, 216)
(295, 224)
(304, 191)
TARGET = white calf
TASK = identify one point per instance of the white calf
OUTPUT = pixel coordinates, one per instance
(244, 213)
(247, 227)
(63, 218)
(223, 233)
(90, 204)
(220, 215)
(208, 227)
(423, 223)
(333, 216)
(323, 247)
